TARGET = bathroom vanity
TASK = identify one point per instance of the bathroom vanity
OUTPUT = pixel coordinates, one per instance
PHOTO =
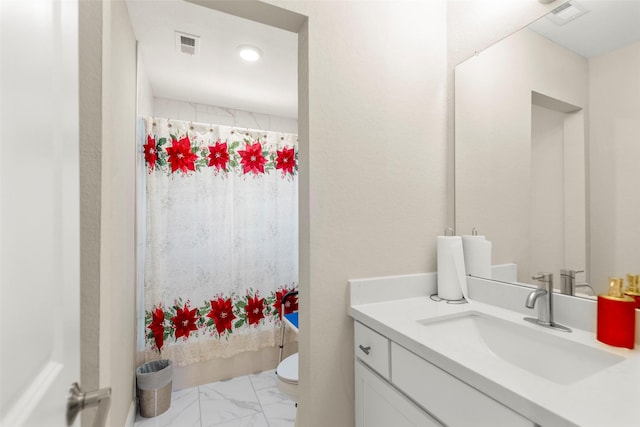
(386, 401)
(424, 363)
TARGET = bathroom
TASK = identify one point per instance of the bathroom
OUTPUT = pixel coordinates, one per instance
(372, 74)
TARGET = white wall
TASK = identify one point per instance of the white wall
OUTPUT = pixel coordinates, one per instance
(117, 274)
(373, 154)
(614, 158)
(201, 113)
(144, 91)
(493, 136)
(108, 102)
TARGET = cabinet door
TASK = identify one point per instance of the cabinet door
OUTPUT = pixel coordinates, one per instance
(378, 404)
(372, 349)
(451, 400)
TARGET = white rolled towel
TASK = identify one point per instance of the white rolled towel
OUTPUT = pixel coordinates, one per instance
(452, 280)
(477, 255)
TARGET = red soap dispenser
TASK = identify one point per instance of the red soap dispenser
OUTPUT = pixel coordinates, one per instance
(616, 324)
(633, 290)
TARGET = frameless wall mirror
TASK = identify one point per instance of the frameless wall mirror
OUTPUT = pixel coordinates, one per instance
(547, 143)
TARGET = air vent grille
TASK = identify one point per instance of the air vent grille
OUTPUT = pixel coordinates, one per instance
(187, 43)
(567, 12)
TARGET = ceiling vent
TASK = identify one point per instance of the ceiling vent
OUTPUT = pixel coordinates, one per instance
(187, 43)
(567, 12)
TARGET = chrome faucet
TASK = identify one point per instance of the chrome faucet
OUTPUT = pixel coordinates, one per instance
(568, 284)
(545, 306)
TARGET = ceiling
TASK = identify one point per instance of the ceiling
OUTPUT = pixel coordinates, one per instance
(608, 25)
(217, 76)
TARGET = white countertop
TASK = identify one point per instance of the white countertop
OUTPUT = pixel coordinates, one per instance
(608, 398)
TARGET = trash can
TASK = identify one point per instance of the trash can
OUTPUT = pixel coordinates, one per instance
(153, 381)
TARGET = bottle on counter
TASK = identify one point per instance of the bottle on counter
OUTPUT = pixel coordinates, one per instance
(616, 321)
(633, 288)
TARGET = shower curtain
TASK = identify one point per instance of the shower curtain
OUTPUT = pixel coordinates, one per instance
(221, 238)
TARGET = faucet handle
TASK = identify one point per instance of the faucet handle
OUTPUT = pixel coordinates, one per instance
(570, 273)
(543, 277)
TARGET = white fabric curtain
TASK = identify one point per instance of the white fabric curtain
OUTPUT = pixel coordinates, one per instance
(221, 238)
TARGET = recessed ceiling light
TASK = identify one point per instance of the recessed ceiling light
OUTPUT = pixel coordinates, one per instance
(249, 53)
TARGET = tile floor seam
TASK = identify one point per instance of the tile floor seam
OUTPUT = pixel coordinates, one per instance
(199, 406)
(255, 392)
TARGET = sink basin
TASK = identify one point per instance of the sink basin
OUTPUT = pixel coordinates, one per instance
(537, 351)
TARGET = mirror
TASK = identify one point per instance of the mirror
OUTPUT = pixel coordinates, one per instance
(547, 144)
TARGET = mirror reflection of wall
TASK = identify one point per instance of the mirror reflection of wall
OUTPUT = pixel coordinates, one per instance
(614, 159)
(557, 229)
(548, 143)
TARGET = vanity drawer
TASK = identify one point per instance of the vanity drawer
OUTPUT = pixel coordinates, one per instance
(446, 397)
(371, 348)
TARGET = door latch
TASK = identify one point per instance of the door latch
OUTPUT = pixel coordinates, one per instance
(79, 400)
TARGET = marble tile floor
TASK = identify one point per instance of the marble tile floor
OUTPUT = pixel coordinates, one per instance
(249, 401)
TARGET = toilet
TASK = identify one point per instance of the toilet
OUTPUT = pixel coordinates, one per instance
(287, 377)
(287, 370)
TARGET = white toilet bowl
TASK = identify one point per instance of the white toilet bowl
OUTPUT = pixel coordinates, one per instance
(287, 377)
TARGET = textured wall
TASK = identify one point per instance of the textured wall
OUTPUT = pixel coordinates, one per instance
(144, 91)
(117, 273)
(373, 149)
(108, 102)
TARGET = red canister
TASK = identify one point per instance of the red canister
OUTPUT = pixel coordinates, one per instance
(616, 323)
(633, 288)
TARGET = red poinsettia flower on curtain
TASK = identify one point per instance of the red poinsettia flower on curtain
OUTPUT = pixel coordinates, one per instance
(254, 309)
(184, 321)
(222, 314)
(180, 155)
(286, 160)
(252, 158)
(150, 152)
(157, 327)
(290, 306)
(218, 155)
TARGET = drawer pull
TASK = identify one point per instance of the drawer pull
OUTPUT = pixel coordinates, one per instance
(366, 349)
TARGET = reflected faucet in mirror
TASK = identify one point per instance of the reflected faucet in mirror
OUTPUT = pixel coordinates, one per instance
(568, 283)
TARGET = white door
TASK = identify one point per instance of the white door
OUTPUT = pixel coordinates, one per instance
(39, 210)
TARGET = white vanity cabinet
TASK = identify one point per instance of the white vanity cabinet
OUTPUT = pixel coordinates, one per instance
(378, 404)
(410, 391)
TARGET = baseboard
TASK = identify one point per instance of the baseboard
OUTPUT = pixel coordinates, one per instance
(131, 416)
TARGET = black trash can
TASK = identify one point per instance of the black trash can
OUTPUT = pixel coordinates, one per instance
(153, 382)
